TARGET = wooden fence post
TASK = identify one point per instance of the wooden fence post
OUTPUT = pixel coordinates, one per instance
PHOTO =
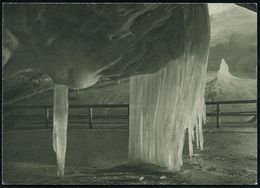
(12, 117)
(46, 118)
(128, 116)
(89, 118)
(217, 115)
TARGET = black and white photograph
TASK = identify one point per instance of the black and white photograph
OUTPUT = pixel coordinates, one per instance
(129, 93)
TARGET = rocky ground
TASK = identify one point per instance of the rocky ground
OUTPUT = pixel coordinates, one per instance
(100, 157)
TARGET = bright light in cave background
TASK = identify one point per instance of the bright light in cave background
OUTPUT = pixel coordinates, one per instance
(220, 7)
(215, 8)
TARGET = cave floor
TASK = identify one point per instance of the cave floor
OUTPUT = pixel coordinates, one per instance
(100, 157)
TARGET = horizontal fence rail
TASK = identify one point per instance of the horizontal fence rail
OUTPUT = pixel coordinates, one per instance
(89, 116)
(219, 113)
(71, 106)
(48, 117)
(231, 102)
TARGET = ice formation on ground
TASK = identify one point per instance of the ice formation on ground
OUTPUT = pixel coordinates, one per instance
(223, 86)
(60, 123)
(167, 104)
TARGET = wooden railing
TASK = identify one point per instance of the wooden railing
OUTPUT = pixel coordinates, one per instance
(90, 117)
(219, 113)
(48, 117)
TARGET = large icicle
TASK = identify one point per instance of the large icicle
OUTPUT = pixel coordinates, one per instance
(166, 104)
(60, 122)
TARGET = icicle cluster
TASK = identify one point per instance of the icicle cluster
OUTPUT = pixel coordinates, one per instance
(60, 123)
(166, 104)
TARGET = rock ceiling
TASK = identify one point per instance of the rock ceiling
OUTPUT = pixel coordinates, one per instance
(78, 44)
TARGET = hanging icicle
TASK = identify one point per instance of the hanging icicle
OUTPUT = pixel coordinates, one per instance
(166, 104)
(60, 123)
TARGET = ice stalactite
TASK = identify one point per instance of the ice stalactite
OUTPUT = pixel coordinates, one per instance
(60, 123)
(167, 104)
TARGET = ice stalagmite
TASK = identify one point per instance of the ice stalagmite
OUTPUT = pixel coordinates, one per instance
(223, 86)
(167, 104)
(60, 122)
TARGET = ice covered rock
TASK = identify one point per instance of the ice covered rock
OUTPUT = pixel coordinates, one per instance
(167, 105)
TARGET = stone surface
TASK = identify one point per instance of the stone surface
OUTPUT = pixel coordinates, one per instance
(77, 44)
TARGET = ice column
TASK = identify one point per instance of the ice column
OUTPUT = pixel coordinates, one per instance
(168, 104)
(60, 123)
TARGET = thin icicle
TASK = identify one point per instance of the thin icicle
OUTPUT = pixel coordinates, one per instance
(60, 123)
(190, 141)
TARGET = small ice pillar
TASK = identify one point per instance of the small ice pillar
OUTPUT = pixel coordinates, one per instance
(167, 104)
(60, 123)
